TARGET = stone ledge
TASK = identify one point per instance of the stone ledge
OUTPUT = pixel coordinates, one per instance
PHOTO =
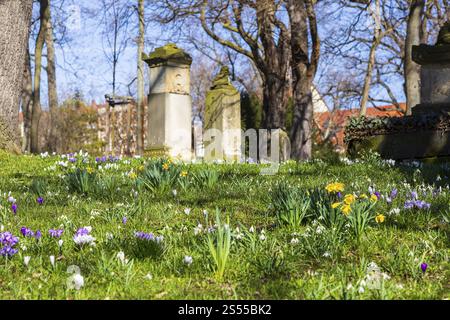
(426, 54)
(405, 146)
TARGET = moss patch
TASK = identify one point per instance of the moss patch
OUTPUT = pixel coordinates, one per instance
(169, 52)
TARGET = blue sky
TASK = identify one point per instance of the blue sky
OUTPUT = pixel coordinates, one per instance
(82, 64)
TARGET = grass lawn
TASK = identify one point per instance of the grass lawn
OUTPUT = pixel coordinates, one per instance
(316, 230)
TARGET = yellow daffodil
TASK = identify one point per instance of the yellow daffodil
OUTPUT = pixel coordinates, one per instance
(184, 174)
(346, 209)
(349, 199)
(335, 205)
(380, 218)
(373, 198)
(90, 170)
(133, 175)
(363, 196)
(335, 187)
(166, 166)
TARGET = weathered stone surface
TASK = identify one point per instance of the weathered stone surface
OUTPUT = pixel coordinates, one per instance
(444, 34)
(166, 54)
(426, 54)
(435, 71)
(169, 104)
(223, 115)
(402, 146)
(426, 134)
(435, 83)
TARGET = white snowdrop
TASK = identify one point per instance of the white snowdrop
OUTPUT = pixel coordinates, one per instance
(75, 281)
(188, 260)
(26, 260)
(52, 260)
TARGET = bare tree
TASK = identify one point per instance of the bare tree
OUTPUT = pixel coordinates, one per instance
(36, 110)
(140, 80)
(115, 22)
(253, 29)
(412, 69)
(15, 17)
(26, 102)
(304, 67)
(51, 78)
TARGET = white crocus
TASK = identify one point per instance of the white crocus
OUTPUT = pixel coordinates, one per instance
(26, 260)
(188, 260)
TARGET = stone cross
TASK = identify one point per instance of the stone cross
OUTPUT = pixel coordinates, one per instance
(222, 120)
(169, 103)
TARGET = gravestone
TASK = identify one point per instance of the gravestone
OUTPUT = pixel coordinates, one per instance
(222, 121)
(169, 130)
(435, 74)
(425, 134)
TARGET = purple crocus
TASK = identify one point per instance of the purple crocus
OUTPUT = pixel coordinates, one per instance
(38, 235)
(40, 200)
(82, 232)
(144, 236)
(124, 220)
(7, 238)
(414, 195)
(56, 233)
(7, 243)
(377, 194)
(14, 208)
(339, 194)
(26, 232)
(394, 193)
(8, 251)
(424, 267)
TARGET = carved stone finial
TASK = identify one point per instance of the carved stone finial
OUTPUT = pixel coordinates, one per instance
(169, 52)
(223, 78)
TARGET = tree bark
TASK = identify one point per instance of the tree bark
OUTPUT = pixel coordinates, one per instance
(376, 15)
(36, 112)
(412, 69)
(27, 100)
(140, 82)
(274, 102)
(51, 76)
(304, 68)
(14, 30)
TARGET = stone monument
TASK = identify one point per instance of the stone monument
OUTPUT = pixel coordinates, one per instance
(169, 103)
(425, 134)
(222, 120)
(435, 74)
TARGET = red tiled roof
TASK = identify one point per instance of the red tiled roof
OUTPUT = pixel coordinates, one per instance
(337, 120)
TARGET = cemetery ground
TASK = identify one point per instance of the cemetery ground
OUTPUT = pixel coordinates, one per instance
(80, 227)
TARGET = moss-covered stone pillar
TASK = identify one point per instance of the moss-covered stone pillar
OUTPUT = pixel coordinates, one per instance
(222, 121)
(169, 103)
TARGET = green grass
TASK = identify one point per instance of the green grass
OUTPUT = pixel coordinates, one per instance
(273, 255)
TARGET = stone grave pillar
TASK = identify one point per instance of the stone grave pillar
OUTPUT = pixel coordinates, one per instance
(222, 121)
(435, 74)
(169, 130)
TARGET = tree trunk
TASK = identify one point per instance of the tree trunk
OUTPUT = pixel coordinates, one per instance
(14, 31)
(36, 112)
(372, 56)
(51, 76)
(304, 67)
(140, 83)
(27, 100)
(412, 69)
(274, 102)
